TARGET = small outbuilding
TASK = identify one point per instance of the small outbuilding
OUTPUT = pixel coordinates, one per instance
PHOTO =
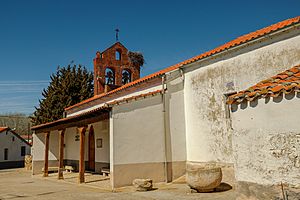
(13, 149)
(265, 123)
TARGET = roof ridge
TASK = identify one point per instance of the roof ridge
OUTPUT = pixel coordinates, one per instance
(235, 42)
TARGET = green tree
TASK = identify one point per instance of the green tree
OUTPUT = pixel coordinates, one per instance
(68, 86)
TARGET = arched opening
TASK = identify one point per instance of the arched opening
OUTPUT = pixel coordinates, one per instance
(118, 55)
(126, 76)
(109, 76)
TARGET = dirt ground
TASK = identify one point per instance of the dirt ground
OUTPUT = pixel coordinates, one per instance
(20, 184)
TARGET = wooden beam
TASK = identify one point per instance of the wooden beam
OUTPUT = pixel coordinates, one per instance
(91, 150)
(47, 136)
(81, 154)
(80, 122)
(61, 153)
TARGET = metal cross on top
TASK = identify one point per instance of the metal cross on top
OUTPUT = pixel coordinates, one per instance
(117, 34)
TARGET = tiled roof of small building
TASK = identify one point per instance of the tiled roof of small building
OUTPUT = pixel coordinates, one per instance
(284, 82)
(3, 129)
(238, 41)
(13, 132)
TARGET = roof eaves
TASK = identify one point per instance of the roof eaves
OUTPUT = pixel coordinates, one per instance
(53, 123)
(233, 43)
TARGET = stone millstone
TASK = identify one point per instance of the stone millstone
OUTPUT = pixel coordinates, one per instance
(203, 178)
(142, 184)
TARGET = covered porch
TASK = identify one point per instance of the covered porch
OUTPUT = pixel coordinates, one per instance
(78, 144)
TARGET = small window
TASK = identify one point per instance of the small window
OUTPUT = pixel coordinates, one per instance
(13, 138)
(118, 55)
(23, 150)
(5, 154)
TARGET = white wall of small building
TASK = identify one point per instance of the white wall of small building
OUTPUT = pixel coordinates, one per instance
(266, 140)
(13, 146)
(208, 132)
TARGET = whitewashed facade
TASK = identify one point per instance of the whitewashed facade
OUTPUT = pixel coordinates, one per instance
(154, 136)
(13, 149)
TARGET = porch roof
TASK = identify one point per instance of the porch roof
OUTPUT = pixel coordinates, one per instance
(88, 117)
(79, 120)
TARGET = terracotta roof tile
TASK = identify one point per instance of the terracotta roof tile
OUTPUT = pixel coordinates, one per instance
(233, 43)
(281, 83)
(3, 129)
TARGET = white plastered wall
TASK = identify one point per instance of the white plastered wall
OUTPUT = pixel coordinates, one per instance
(38, 150)
(143, 91)
(208, 133)
(71, 145)
(101, 130)
(176, 138)
(266, 140)
(138, 132)
(13, 146)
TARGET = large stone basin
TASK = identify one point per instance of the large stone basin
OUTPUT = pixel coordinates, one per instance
(203, 178)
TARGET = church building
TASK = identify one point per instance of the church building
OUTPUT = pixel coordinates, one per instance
(152, 127)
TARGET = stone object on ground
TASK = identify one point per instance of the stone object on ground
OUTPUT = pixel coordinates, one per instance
(142, 184)
(203, 178)
(28, 162)
(69, 168)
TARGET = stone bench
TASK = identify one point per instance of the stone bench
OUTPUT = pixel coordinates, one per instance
(69, 168)
(51, 169)
(105, 171)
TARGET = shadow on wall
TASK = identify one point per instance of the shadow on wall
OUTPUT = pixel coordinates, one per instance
(245, 104)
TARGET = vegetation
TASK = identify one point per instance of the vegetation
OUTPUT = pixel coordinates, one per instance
(17, 121)
(136, 58)
(68, 86)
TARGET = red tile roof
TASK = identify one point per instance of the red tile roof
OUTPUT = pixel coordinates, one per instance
(3, 129)
(13, 132)
(285, 82)
(233, 43)
(105, 106)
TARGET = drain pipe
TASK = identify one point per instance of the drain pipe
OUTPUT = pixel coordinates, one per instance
(163, 82)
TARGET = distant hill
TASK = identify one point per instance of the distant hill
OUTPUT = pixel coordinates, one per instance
(18, 121)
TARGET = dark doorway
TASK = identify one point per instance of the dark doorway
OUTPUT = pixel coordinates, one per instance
(91, 164)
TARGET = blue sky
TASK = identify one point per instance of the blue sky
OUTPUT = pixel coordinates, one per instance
(37, 36)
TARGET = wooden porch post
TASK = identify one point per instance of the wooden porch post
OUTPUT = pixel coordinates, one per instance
(61, 153)
(47, 136)
(81, 156)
